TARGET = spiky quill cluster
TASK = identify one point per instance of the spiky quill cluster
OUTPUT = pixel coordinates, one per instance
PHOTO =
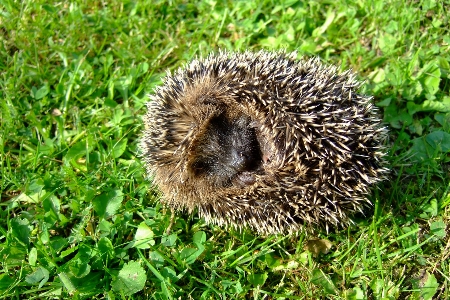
(263, 140)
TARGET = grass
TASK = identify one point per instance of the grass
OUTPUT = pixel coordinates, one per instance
(78, 218)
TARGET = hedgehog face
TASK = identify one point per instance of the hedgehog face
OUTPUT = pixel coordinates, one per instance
(228, 153)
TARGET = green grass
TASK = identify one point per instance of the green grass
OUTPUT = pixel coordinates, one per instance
(78, 217)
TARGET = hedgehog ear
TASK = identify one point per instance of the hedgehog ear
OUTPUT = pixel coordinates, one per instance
(265, 146)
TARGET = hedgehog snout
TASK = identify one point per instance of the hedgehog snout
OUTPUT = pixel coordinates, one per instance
(241, 160)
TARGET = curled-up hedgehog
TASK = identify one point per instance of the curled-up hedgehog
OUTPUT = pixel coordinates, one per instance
(265, 141)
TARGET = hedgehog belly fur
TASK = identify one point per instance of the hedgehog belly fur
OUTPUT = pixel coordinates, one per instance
(265, 141)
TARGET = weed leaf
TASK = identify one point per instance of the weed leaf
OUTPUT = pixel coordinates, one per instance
(131, 279)
(321, 279)
(41, 276)
(107, 203)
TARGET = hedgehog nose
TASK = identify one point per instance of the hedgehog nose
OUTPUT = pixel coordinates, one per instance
(240, 159)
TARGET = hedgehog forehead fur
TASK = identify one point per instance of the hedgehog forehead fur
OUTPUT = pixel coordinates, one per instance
(263, 140)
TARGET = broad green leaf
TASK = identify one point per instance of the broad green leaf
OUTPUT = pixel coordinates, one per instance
(131, 279)
(428, 4)
(32, 257)
(387, 42)
(107, 203)
(40, 93)
(169, 241)
(432, 78)
(443, 120)
(122, 85)
(257, 279)
(430, 145)
(190, 255)
(430, 209)
(420, 149)
(392, 27)
(227, 283)
(355, 294)
(58, 243)
(321, 279)
(119, 148)
(384, 102)
(416, 127)
(430, 105)
(52, 207)
(68, 251)
(143, 238)
(40, 275)
(105, 248)
(170, 274)
(79, 149)
(384, 288)
(67, 282)
(378, 75)
(438, 228)
(104, 226)
(412, 91)
(31, 197)
(238, 288)
(79, 268)
(199, 237)
(429, 288)
(5, 282)
(20, 230)
(439, 140)
(272, 261)
(8, 111)
(400, 119)
(156, 259)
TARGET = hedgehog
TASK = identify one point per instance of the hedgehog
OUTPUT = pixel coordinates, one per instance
(265, 141)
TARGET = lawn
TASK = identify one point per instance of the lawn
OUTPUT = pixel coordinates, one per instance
(80, 219)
